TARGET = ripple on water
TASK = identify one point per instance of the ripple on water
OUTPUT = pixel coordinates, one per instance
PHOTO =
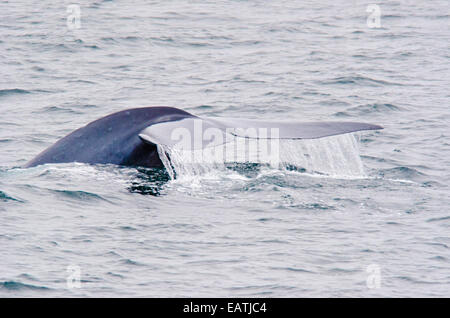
(440, 219)
(79, 195)
(18, 286)
(13, 91)
(5, 197)
(359, 81)
(405, 173)
(368, 109)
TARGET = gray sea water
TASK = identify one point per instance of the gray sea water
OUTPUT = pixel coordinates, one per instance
(365, 216)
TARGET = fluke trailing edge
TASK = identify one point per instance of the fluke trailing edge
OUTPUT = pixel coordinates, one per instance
(130, 137)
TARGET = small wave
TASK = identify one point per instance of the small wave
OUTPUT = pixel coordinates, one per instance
(400, 173)
(368, 109)
(81, 81)
(417, 281)
(445, 218)
(92, 46)
(59, 109)
(79, 195)
(128, 261)
(14, 91)
(108, 39)
(358, 80)
(38, 69)
(204, 107)
(343, 271)
(12, 285)
(4, 197)
(131, 38)
(127, 228)
(293, 269)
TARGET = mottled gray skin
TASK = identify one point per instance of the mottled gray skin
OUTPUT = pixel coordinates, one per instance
(113, 139)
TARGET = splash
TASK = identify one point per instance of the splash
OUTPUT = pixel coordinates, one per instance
(334, 156)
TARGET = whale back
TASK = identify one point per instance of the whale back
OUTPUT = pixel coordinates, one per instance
(113, 139)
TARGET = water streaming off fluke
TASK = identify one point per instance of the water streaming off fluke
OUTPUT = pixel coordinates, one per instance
(334, 156)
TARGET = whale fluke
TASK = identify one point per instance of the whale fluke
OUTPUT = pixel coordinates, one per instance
(211, 132)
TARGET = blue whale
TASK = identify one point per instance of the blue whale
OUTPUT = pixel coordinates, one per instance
(130, 137)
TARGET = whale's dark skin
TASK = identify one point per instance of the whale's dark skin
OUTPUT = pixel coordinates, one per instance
(113, 139)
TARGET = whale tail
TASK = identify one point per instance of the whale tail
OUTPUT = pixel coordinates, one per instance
(200, 133)
(130, 137)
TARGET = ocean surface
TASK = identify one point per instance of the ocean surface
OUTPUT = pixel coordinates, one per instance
(363, 215)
